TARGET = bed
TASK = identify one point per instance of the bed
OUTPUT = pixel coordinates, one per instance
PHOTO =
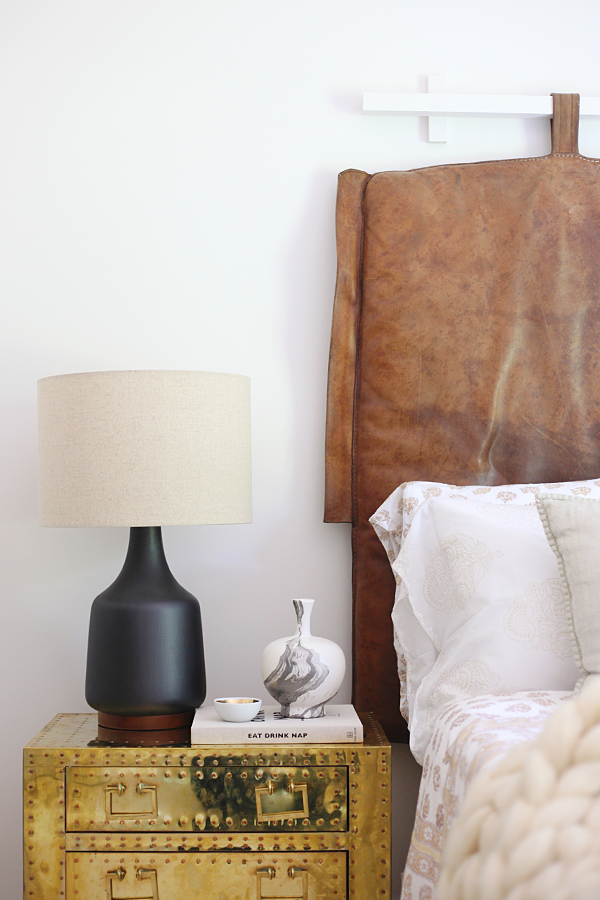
(465, 354)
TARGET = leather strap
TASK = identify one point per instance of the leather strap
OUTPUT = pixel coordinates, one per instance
(565, 124)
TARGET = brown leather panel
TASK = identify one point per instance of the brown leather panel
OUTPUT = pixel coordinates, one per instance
(480, 330)
(479, 355)
(565, 123)
(375, 683)
(478, 349)
(342, 359)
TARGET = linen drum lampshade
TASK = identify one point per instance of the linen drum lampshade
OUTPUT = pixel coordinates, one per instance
(144, 449)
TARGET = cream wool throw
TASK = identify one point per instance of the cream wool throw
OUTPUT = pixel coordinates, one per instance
(529, 828)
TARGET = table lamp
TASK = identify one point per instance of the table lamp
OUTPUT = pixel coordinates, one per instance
(144, 449)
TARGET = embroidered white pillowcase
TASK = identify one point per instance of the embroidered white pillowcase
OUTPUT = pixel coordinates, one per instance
(484, 585)
(415, 650)
(572, 527)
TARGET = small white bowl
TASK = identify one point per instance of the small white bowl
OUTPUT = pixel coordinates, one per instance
(237, 709)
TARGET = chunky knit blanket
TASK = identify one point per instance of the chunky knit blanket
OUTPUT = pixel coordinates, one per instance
(529, 828)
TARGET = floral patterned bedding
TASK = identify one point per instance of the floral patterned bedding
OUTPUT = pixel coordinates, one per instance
(469, 735)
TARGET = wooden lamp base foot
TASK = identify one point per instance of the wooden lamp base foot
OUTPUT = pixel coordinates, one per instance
(145, 731)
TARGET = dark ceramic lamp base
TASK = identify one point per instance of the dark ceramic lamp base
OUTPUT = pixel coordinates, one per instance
(145, 665)
(145, 731)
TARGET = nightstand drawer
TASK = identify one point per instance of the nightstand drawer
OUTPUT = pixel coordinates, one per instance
(212, 876)
(215, 798)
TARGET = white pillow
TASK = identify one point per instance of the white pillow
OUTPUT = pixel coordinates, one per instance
(572, 527)
(484, 584)
(415, 650)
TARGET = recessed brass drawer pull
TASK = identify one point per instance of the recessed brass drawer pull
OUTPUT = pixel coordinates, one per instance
(119, 789)
(280, 804)
(141, 874)
(293, 872)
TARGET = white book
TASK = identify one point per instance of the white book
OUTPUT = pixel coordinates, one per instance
(339, 725)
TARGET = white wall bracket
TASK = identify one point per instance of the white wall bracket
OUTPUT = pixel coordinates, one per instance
(440, 106)
(437, 125)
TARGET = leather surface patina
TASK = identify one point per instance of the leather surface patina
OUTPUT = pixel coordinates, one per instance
(465, 349)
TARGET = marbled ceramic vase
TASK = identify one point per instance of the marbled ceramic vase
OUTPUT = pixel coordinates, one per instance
(303, 672)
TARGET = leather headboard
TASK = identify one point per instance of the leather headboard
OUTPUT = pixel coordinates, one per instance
(465, 349)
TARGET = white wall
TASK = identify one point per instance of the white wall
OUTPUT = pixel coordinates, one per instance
(167, 189)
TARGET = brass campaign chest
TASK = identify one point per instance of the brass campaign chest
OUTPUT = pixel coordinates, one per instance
(295, 821)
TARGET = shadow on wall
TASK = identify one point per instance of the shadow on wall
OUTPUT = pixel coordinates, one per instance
(310, 272)
(406, 775)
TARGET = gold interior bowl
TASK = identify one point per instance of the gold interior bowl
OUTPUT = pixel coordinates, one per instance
(237, 709)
